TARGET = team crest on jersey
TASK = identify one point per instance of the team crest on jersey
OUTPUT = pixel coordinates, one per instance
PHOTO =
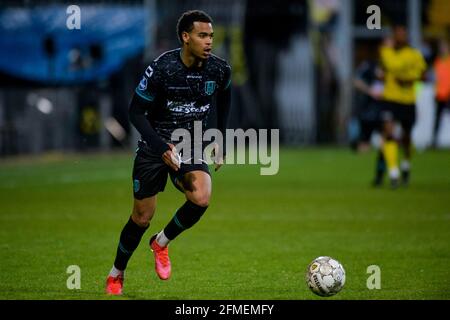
(143, 84)
(210, 86)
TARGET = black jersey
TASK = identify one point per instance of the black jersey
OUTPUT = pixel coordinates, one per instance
(180, 95)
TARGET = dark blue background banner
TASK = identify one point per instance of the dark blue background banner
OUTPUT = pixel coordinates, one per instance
(37, 45)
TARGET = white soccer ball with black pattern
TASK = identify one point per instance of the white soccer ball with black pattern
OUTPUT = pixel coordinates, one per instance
(325, 276)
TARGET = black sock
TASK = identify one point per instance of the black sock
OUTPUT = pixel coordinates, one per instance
(380, 167)
(185, 217)
(129, 240)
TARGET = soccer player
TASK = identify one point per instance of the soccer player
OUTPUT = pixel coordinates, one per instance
(403, 66)
(370, 89)
(178, 88)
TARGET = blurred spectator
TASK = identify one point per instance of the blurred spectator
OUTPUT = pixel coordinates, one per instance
(323, 22)
(442, 77)
(369, 86)
(263, 41)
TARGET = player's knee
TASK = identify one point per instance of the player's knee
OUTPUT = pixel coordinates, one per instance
(201, 200)
(141, 220)
(142, 215)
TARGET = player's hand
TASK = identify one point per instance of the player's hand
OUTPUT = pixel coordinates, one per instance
(379, 73)
(217, 157)
(172, 158)
(376, 94)
(218, 162)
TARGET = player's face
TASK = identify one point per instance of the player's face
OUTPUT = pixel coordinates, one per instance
(400, 35)
(200, 39)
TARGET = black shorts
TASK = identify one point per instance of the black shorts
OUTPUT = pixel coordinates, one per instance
(405, 114)
(150, 173)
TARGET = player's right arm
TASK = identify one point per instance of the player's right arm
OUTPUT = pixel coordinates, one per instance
(142, 101)
(360, 82)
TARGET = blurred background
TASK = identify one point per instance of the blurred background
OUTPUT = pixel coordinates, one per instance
(67, 89)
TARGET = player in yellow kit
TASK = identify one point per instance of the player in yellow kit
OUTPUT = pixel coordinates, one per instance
(402, 66)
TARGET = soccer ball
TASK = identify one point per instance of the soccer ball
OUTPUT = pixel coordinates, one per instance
(325, 276)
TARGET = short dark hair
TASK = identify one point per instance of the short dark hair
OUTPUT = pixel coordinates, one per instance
(187, 19)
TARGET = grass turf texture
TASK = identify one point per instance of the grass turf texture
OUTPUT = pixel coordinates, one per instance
(255, 241)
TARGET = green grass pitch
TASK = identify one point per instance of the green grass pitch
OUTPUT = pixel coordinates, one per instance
(254, 242)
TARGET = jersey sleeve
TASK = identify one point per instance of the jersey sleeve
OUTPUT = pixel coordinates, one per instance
(226, 78)
(224, 105)
(421, 64)
(143, 100)
(150, 84)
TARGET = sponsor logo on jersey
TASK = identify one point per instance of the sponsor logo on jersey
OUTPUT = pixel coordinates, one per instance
(210, 86)
(178, 88)
(183, 107)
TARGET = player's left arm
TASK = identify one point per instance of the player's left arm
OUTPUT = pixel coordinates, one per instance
(223, 110)
(421, 66)
(416, 69)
